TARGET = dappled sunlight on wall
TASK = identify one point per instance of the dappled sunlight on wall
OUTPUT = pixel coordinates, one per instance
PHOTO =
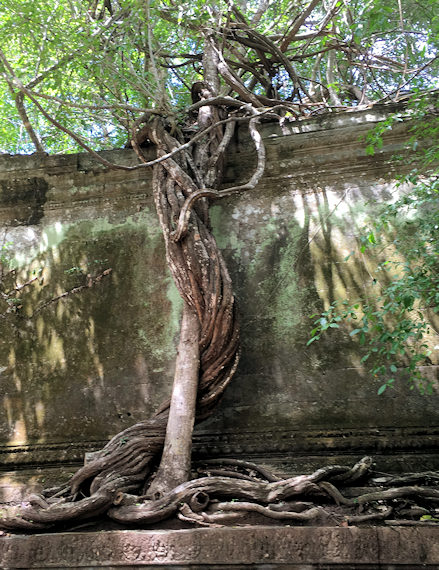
(289, 244)
(74, 352)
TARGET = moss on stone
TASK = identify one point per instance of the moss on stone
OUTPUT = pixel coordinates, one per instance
(95, 348)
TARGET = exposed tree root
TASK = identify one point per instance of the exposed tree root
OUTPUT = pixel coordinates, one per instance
(128, 462)
(318, 498)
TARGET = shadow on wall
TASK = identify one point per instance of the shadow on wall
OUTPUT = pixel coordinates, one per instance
(288, 251)
(88, 364)
(87, 346)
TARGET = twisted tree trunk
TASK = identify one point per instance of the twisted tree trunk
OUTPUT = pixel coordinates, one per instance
(207, 353)
(208, 349)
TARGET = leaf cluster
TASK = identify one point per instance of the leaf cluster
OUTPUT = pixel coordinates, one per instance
(95, 66)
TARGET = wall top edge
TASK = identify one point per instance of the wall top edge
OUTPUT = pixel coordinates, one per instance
(270, 129)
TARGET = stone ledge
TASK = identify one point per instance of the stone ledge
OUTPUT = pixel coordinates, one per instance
(380, 442)
(256, 546)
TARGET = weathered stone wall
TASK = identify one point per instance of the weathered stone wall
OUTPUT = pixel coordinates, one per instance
(76, 370)
(238, 548)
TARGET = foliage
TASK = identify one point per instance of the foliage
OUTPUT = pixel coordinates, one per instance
(5, 249)
(393, 324)
(94, 66)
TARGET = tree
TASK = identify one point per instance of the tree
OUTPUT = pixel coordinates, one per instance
(181, 77)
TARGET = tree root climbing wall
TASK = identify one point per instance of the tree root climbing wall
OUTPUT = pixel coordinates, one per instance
(126, 463)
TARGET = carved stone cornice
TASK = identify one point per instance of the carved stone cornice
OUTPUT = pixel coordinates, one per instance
(361, 441)
(273, 446)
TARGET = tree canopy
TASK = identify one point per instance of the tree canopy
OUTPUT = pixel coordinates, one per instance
(93, 68)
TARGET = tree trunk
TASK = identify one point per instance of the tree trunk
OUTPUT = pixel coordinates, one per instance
(208, 350)
(200, 275)
(175, 466)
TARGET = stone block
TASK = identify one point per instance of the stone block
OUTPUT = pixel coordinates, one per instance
(323, 548)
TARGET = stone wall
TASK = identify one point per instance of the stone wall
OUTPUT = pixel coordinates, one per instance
(87, 344)
(238, 548)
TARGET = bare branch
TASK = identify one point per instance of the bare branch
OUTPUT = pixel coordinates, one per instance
(90, 282)
(330, 77)
(18, 99)
(90, 107)
(220, 100)
(297, 25)
(19, 103)
(235, 82)
(21, 287)
(418, 71)
(262, 7)
(333, 9)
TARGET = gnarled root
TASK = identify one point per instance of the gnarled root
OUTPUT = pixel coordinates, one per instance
(129, 454)
(223, 500)
(326, 496)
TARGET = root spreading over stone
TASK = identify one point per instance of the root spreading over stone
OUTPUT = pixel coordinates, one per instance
(333, 495)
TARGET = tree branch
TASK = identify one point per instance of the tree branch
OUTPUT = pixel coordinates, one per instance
(185, 211)
(90, 107)
(90, 282)
(18, 99)
(297, 25)
(235, 83)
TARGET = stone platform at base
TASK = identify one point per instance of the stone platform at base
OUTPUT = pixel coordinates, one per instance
(263, 547)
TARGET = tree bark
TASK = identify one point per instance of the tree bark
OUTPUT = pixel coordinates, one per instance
(175, 465)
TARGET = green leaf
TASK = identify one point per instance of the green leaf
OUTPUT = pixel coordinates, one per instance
(371, 238)
(354, 332)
